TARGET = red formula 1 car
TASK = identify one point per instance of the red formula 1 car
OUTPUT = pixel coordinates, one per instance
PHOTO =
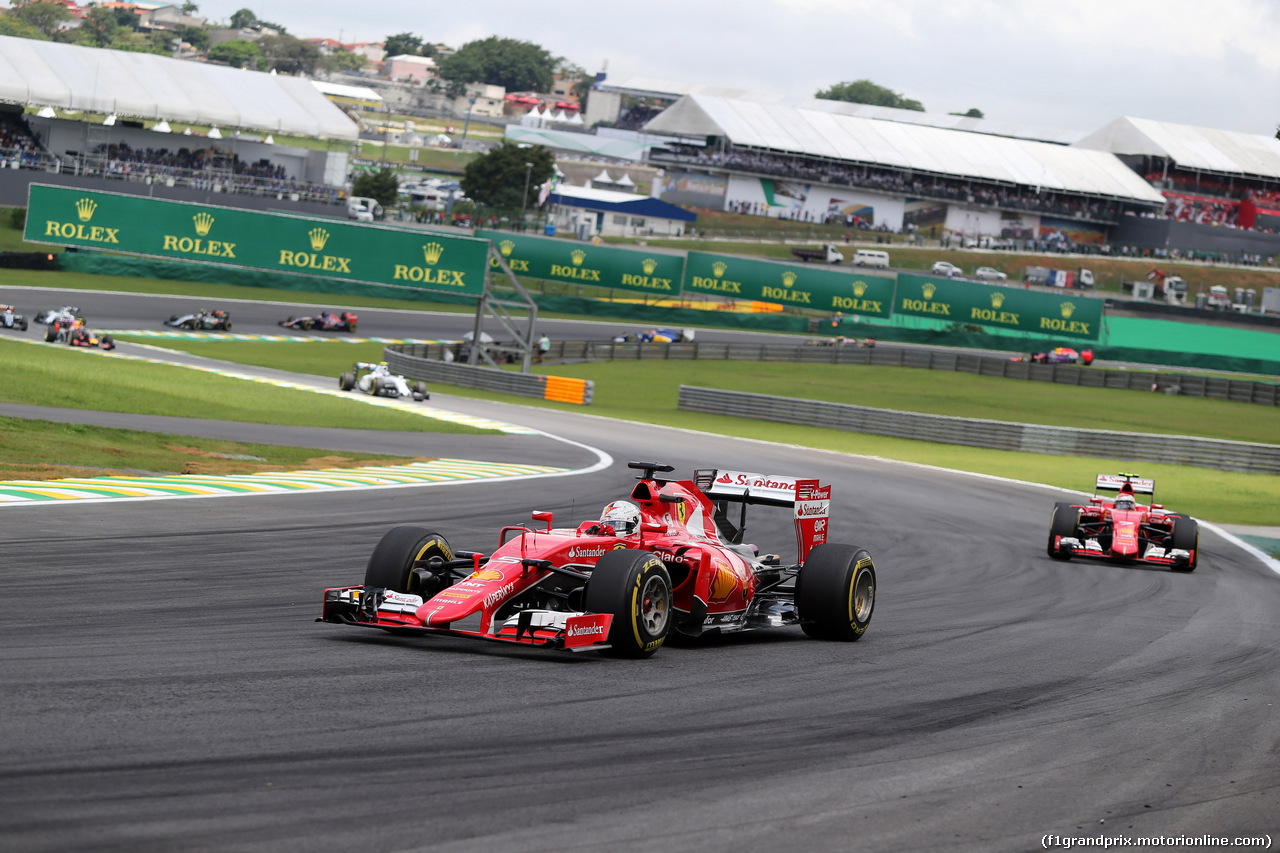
(325, 321)
(669, 559)
(1123, 529)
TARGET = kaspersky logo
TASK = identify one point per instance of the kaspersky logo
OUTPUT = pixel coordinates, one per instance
(647, 281)
(202, 223)
(857, 304)
(317, 239)
(431, 273)
(785, 293)
(85, 208)
(577, 271)
(926, 305)
(994, 314)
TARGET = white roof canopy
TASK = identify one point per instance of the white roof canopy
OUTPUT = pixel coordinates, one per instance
(147, 86)
(821, 129)
(1196, 148)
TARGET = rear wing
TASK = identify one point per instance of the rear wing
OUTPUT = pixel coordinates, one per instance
(1116, 483)
(810, 502)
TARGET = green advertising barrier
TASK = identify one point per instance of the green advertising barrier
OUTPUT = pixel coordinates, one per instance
(1012, 308)
(249, 239)
(583, 263)
(817, 288)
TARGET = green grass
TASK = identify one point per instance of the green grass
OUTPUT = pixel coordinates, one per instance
(39, 450)
(326, 357)
(47, 374)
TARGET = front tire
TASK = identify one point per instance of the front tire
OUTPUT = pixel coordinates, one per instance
(346, 381)
(226, 327)
(50, 334)
(1186, 536)
(398, 552)
(634, 587)
(1062, 522)
(420, 387)
(836, 592)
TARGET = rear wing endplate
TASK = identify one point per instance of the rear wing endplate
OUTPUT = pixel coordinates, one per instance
(810, 502)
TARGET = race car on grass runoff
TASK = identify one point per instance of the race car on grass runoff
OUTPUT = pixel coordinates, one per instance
(77, 334)
(656, 336)
(1059, 355)
(66, 314)
(325, 321)
(11, 319)
(670, 559)
(1124, 530)
(202, 320)
(378, 380)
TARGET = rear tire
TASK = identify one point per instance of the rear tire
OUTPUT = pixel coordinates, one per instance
(1062, 522)
(421, 388)
(836, 592)
(391, 565)
(634, 587)
(375, 386)
(1186, 535)
(346, 381)
(226, 327)
(50, 334)
(352, 327)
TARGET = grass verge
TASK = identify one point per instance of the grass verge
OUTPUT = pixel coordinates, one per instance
(28, 449)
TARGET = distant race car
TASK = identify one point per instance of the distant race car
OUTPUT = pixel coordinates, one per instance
(1124, 530)
(378, 380)
(669, 559)
(325, 321)
(202, 320)
(11, 319)
(1062, 355)
(841, 342)
(67, 314)
(77, 334)
(656, 336)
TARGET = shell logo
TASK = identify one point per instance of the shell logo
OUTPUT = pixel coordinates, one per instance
(578, 256)
(859, 288)
(718, 268)
(724, 582)
(487, 575)
(928, 289)
(788, 278)
(1068, 308)
(997, 299)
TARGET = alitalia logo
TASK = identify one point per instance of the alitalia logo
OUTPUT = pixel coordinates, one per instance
(202, 224)
(85, 208)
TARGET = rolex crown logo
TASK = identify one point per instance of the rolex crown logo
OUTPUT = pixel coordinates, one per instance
(928, 289)
(578, 257)
(203, 223)
(997, 299)
(1068, 308)
(719, 267)
(319, 237)
(788, 278)
(648, 265)
(859, 288)
(85, 208)
(432, 252)
(506, 247)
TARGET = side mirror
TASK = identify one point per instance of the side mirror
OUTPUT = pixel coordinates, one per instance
(543, 516)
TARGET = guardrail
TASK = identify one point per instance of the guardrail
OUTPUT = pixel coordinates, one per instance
(412, 361)
(997, 435)
(1215, 387)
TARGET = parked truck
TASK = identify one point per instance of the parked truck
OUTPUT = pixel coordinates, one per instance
(1058, 278)
(828, 254)
(364, 209)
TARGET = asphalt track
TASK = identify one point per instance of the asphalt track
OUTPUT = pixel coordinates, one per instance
(165, 687)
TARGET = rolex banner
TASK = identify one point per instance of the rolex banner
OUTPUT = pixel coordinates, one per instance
(582, 263)
(332, 248)
(827, 289)
(1034, 312)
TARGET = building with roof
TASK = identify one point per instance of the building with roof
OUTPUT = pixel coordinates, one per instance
(587, 212)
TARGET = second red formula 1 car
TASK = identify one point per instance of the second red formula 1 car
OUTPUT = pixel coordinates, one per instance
(1124, 530)
(671, 558)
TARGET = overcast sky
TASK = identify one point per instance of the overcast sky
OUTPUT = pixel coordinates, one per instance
(1072, 65)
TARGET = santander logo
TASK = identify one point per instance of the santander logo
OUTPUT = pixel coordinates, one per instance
(585, 630)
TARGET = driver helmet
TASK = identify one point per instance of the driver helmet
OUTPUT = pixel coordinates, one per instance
(1124, 501)
(622, 516)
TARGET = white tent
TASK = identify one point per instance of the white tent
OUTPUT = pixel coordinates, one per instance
(602, 178)
(557, 116)
(625, 181)
(575, 118)
(1201, 149)
(147, 86)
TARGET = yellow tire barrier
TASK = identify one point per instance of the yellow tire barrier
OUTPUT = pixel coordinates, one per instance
(565, 390)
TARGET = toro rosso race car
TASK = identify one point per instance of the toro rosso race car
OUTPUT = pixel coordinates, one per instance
(325, 321)
(1124, 530)
(202, 320)
(11, 319)
(77, 334)
(670, 559)
(1060, 355)
(379, 381)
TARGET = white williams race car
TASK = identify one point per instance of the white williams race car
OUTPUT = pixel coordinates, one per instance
(378, 380)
